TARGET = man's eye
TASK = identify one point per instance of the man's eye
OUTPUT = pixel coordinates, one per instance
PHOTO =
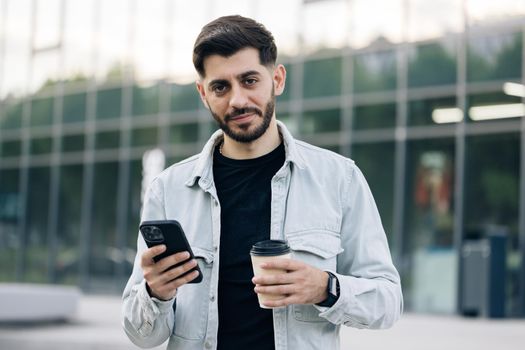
(219, 89)
(250, 81)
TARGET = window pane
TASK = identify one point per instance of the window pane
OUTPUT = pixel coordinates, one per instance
(432, 64)
(494, 57)
(322, 77)
(102, 262)
(376, 21)
(184, 97)
(492, 199)
(41, 145)
(144, 137)
(11, 148)
(376, 161)
(73, 143)
(432, 19)
(109, 103)
(107, 139)
(42, 111)
(74, 108)
(9, 221)
(184, 133)
(375, 71)
(69, 224)
(325, 24)
(375, 116)
(134, 203)
(421, 112)
(36, 240)
(429, 218)
(145, 100)
(484, 107)
(321, 121)
(11, 115)
(290, 71)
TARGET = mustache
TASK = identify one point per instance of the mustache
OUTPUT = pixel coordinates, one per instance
(240, 111)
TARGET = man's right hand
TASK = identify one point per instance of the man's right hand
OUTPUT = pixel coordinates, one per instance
(161, 280)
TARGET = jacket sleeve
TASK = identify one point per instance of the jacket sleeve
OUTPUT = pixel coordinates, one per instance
(147, 321)
(370, 287)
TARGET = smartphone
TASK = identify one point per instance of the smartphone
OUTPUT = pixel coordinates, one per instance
(169, 233)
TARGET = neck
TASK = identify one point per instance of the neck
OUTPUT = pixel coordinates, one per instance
(269, 141)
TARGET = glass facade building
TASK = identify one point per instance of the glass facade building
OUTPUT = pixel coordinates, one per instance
(426, 97)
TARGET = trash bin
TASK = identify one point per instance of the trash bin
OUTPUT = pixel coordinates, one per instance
(483, 275)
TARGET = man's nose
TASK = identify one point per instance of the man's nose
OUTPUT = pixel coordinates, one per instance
(238, 97)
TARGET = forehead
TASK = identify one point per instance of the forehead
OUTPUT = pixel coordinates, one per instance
(220, 67)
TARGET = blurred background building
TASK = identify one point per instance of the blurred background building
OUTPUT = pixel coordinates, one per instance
(426, 97)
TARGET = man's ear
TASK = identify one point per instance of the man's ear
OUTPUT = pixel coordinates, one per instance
(279, 79)
(202, 92)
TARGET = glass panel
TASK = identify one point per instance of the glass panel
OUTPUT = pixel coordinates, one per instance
(74, 108)
(109, 103)
(144, 137)
(184, 133)
(375, 71)
(429, 218)
(375, 116)
(47, 26)
(11, 148)
(492, 199)
(41, 145)
(432, 19)
(135, 203)
(486, 11)
(107, 139)
(432, 64)
(12, 115)
(484, 107)
(42, 111)
(69, 224)
(325, 24)
(73, 143)
(44, 73)
(376, 22)
(376, 161)
(426, 112)
(322, 77)
(493, 57)
(184, 97)
(145, 100)
(321, 121)
(9, 221)
(287, 93)
(36, 240)
(103, 247)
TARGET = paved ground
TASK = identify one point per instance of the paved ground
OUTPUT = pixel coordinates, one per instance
(97, 327)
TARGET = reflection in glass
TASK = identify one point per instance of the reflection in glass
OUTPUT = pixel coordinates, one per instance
(107, 139)
(429, 219)
(42, 111)
(68, 228)
(492, 199)
(488, 100)
(146, 100)
(184, 97)
(376, 116)
(322, 77)
(9, 222)
(144, 137)
(376, 161)
(493, 57)
(11, 114)
(432, 19)
(36, 240)
(41, 145)
(325, 24)
(375, 71)
(432, 64)
(184, 133)
(74, 108)
(420, 112)
(109, 103)
(73, 143)
(321, 121)
(11, 148)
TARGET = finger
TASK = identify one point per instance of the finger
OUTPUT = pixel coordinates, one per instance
(282, 264)
(172, 274)
(182, 281)
(285, 289)
(288, 300)
(281, 278)
(171, 260)
(149, 254)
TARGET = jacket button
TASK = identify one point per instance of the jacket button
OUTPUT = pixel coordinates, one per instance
(208, 344)
(212, 297)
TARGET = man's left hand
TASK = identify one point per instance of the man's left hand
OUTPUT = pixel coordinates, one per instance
(300, 284)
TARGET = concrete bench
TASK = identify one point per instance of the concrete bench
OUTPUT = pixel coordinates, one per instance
(37, 302)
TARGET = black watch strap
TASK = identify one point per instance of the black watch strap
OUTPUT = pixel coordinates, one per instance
(332, 290)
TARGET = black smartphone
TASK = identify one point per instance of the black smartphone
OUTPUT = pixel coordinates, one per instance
(169, 233)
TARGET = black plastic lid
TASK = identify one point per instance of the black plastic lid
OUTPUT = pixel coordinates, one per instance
(270, 247)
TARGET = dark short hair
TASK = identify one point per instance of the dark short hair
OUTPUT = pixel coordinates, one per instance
(227, 35)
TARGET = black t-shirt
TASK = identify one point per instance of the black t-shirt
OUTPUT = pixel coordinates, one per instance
(244, 190)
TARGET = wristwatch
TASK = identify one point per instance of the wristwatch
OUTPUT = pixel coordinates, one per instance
(332, 290)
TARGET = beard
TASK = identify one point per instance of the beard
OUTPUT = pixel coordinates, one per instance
(245, 135)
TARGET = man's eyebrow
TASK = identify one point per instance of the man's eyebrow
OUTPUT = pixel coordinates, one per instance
(247, 74)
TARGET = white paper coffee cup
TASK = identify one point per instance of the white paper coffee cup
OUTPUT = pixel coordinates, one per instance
(265, 251)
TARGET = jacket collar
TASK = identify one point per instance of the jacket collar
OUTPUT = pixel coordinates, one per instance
(203, 171)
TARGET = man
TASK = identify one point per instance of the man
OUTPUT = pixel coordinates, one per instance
(253, 181)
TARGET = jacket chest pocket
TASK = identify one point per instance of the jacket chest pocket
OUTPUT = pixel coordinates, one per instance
(318, 248)
(191, 311)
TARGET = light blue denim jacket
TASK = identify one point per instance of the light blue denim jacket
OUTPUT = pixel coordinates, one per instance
(320, 203)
